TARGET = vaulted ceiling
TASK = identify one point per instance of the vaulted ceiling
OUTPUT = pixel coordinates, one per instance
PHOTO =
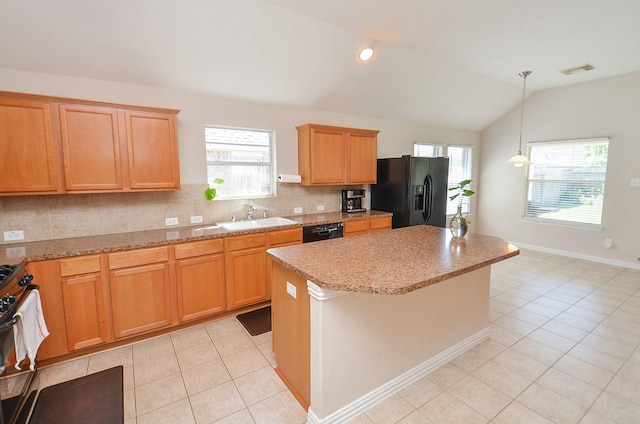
(449, 63)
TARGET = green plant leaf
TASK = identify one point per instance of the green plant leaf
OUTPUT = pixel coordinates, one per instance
(218, 181)
(210, 193)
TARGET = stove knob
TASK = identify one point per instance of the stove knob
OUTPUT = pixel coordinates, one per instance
(4, 305)
(10, 299)
(25, 280)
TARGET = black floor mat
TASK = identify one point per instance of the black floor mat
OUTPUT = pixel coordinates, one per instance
(94, 399)
(256, 322)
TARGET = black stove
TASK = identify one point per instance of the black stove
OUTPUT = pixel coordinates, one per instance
(14, 283)
(18, 390)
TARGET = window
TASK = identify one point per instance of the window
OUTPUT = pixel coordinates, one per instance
(460, 167)
(243, 158)
(565, 182)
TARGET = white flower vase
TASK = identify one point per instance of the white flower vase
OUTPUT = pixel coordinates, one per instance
(458, 224)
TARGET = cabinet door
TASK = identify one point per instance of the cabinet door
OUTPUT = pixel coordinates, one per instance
(247, 277)
(327, 156)
(46, 275)
(380, 224)
(354, 228)
(362, 150)
(140, 299)
(27, 148)
(84, 311)
(201, 287)
(90, 148)
(153, 150)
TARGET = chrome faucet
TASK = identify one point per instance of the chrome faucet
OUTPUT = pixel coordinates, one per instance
(264, 213)
(252, 209)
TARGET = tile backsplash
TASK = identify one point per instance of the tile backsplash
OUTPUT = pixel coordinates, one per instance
(50, 217)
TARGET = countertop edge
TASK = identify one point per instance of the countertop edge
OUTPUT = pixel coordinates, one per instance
(14, 253)
(392, 291)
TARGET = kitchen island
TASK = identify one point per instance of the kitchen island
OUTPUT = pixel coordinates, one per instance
(358, 319)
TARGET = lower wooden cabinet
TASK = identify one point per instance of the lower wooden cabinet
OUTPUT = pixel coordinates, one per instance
(140, 291)
(46, 274)
(94, 300)
(200, 279)
(364, 226)
(379, 224)
(83, 298)
(246, 270)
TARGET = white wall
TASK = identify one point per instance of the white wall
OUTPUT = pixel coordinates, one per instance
(608, 107)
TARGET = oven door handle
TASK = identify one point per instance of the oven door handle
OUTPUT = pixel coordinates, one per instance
(8, 324)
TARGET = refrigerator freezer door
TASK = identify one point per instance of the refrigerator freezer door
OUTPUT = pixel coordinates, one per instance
(414, 189)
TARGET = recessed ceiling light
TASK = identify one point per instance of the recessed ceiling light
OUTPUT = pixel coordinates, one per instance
(578, 69)
(366, 54)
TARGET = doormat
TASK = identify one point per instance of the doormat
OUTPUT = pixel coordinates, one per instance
(93, 399)
(256, 322)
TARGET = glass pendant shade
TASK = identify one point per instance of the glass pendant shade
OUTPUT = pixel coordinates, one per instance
(519, 160)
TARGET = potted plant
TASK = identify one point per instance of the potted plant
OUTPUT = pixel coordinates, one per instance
(459, 224)
(210, 193)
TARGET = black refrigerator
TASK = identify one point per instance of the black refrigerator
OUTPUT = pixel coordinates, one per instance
(415, 189)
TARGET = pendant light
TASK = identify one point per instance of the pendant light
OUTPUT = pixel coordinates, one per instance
(520, 159)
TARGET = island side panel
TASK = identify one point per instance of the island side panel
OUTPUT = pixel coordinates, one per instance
(361, 341)
(290, 331)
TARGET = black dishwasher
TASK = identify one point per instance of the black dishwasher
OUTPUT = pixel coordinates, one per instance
(321, 232)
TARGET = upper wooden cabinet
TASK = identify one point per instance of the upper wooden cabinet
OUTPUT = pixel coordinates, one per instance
(91, 148)
(30, 160)
(152, 145)
(335, 155)
(79, 146)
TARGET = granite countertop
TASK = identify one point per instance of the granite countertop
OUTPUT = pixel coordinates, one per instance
(14, 253)
(392, 262)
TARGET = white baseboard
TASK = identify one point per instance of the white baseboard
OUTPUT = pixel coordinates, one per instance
(614, 262)
(391, 387)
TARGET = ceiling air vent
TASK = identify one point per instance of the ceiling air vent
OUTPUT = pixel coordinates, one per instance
(582, 68)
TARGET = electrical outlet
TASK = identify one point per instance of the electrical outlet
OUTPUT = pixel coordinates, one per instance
(608, 242)
(291, 290)
(196, 219)
(320, 207)
(635, 182)
(13, 235)
(297, 209)
(171, 221)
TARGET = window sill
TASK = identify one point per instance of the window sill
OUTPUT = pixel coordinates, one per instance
(562, 224)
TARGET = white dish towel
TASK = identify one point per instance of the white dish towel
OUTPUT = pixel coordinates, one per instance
(30, 329)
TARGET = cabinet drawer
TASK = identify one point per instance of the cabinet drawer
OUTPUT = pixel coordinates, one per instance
(248, 241)
(79, 265)
(356, 226)
(380, 223)
(293, 235)
(199, 248)
(138, 257)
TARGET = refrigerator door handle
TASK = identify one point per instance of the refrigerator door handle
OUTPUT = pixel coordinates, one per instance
(428, 198)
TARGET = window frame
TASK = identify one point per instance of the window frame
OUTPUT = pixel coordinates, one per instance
(528, 179)
(271, 163)
(443, 149)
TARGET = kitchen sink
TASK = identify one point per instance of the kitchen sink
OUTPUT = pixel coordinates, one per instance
(275, 221)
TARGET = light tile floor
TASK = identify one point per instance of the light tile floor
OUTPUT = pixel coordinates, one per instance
(564, 348)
